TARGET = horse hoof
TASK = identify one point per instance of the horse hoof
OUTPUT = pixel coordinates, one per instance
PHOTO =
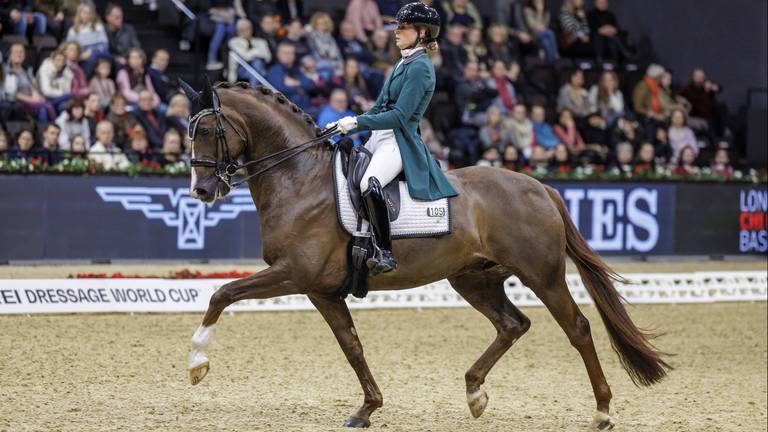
(197, 373)
(354, 422)
(602, 422)
(477, 402)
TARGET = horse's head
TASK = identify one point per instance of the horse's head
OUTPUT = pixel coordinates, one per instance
(217, 143)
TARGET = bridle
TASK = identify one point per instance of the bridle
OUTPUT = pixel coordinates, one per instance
(226, 167)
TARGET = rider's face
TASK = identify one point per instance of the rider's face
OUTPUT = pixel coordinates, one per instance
(405, 36)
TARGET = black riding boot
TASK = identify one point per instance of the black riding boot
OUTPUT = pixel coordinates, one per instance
(382, 261)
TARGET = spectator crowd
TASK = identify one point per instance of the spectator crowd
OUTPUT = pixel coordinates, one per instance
(528, 89)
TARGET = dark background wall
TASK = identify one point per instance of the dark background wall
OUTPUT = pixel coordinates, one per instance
(725, 37)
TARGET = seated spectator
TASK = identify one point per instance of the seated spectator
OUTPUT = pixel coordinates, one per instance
(122, 37)
(89, 33)
(253, 51)
(55, 80)
(623, 161)
(320, 87)
(171, 151)
(521, 129)
(50, 151)
(101, 84)
(476, 50)
(336, 108)
(596, 136)
(669, 100)
(323, 46)
(685, 165)
(356, 87)
(223, 16)
(511, 159)
(92, 112)
(539, 160)
(680, 136)
(646, 159)
(3, 144)
(297, 35)
(606, 98)
(510, 14)
(545, 135)
(537, 20)
(24, 150)
(560, 161)
(721, 163)
(104, 152)
(499, 46)
(573, 96)
(163, 84)
(568, 134)
(661, 143)
(438, 150)
(72, 122)
(269, 24)
(287, 79)
(490, 157)
(605, 32)
(384, 51)
(138, 152)
(647, 99)
(493, 134)
(501, 82)
(462, 12)
(177, 115)
(150, 119)
(351, 47)
(133, 78)
(20, 17)
(79, 82)
(77, 149)
(626, 130)
(701, 93)
(364, 18)
(577, 40)
(473, 96)
(122, 121)
(59, 15)
(20, 85)
(454, 54)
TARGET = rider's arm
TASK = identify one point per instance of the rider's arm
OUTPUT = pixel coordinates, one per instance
(418, 82)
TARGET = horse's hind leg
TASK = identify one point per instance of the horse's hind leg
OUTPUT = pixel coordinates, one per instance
(484, 290)
(558, 300)
(336, 314)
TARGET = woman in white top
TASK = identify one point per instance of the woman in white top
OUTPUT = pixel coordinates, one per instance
(73, 122)
(606, 98)
(55, 80)
(255, 52)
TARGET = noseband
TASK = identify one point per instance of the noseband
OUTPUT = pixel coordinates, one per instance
(226, 167)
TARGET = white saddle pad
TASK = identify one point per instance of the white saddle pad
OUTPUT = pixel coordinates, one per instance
(417, 218)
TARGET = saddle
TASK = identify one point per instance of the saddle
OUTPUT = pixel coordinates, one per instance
(354, 162)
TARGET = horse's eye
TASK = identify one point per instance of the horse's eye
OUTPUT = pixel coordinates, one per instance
(205, 131)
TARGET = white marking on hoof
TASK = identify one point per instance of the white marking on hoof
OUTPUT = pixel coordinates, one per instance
(477, 402)
(199, 365)
(602, 422)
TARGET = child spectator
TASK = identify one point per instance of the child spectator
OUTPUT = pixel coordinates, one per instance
(573, 96)
(3, 144)
(623, 162)
(77, 148)
(223, 16)
(104, 152)
(680, 136)
(539, 160)
(605, 97)
(323, 46)
(24, 150)
(253, 51)
(72, 122)
(79, 83)
(646, 159)
(20, 83)
(133, 78)
(138, 152)
(55, 80)
(685, 166)
(626, 130)
(122, 37)
(537, 20)
(150, 118)
(545, 135)
(560, 162)
(163, 84)
(177, 115)
(492, 134)
(101, 84)
(50, 151)
(123, 122)
(522, 132)
(171, 151)
(89, 33)
(721, 163)
(511, 158)
(490, 158)
(577, 40)
(364, 17)
(568, 134)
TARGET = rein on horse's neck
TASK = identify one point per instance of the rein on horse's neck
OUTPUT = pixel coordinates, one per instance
(272, 127)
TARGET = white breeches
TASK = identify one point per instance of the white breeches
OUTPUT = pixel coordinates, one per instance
(386, 163)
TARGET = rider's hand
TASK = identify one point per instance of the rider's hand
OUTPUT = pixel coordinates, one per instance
(347, 124)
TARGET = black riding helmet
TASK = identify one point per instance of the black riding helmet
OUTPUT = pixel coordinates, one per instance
(419, 14)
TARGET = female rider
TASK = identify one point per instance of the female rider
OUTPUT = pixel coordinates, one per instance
(394, 119)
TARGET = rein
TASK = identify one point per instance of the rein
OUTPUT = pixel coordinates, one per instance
(226, 168)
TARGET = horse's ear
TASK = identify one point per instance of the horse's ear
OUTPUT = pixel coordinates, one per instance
(192, 95)
(207, 97)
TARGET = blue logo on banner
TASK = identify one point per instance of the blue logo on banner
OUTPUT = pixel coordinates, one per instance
(622, 218)
(177, 209)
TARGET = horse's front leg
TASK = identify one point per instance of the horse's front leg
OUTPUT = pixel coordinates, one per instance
(272, 282)
(336, 314)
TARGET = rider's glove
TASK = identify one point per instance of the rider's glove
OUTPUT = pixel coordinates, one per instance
(347, 124)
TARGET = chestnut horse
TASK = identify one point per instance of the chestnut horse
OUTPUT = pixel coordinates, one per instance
(504, 224)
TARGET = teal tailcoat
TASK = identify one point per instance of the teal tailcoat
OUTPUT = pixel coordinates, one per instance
(400, 106)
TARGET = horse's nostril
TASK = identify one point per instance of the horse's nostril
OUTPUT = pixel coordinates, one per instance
(201, 193)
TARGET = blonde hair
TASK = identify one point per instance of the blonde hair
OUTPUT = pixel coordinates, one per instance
(78, 24)
(317, 17)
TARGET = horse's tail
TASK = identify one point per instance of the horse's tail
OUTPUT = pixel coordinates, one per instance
(642, 361)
